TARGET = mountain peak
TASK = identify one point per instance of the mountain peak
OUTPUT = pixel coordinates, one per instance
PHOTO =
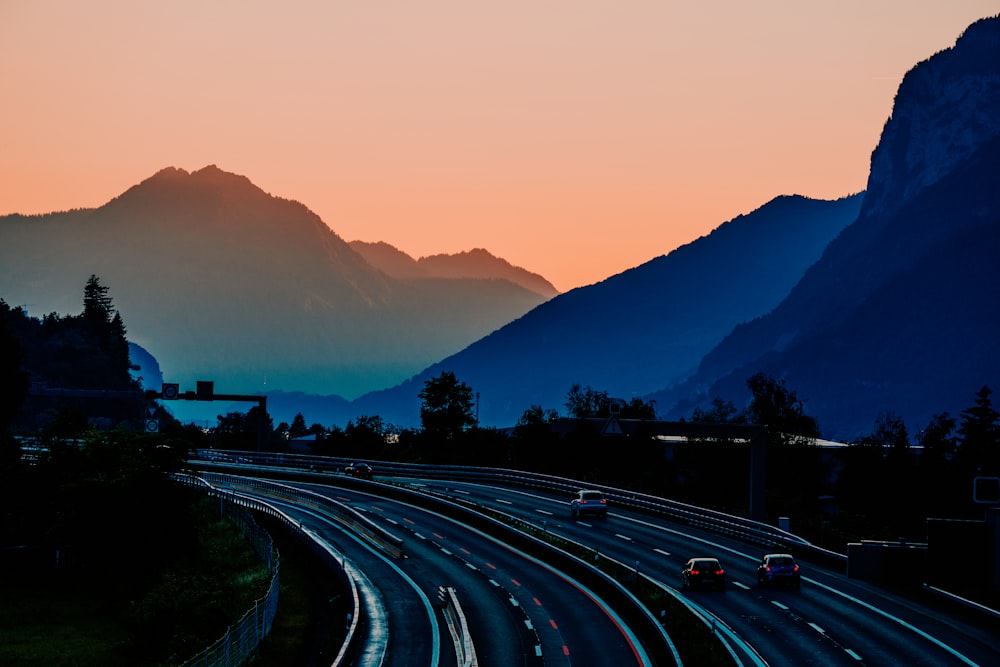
(945, 108)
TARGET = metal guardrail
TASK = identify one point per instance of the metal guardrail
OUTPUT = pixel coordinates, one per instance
(465, 650)
(343, 514)
(755, 532)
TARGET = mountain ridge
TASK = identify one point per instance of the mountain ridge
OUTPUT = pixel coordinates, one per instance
(279, 296)
(946, 138)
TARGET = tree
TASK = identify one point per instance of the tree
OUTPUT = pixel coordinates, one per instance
(890, 433)
(446, 410)
(777, 407)
(97, 307)
(937, 440)
(587, 402)
(636, 408)
(979, 451)
(14, 383)
(722, 412)
(535, 416)
(298, 427)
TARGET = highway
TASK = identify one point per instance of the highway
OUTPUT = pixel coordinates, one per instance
(520, 611)
(831, 620)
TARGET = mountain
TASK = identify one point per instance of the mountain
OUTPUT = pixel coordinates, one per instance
(900, 313)
(221, 281)
(476, 263)
(637, 331)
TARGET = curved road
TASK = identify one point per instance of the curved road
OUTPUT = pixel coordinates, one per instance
(571, 625)
(831, 620)
(520, 611)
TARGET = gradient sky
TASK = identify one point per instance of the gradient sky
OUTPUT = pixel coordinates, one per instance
(576, 139)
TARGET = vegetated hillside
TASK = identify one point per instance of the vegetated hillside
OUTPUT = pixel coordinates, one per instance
(222, 281)
(476, 264)
(899, 314)
(636, 331)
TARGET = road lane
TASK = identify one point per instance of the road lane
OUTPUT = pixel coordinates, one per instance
(831, 620)
(572, 625)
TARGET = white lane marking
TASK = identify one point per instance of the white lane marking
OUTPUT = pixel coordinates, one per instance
(853, 654)
(527, 624)
(392, 521)
(503, 502)
(884, 614)
(445, 551)
(419, 536)
(460, 491)
(741, 554)
(661, 551)
(514, 602)
(544, 512)
(494, 582)
(584, 523)
(471, 566)
(739, 585)
(779, 605)
(817, 628)
(624, 537)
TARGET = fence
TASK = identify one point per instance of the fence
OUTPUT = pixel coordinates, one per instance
(242, 637)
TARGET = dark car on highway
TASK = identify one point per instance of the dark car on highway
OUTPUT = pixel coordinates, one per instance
(359, 470)
(778, 569)
(703, 573)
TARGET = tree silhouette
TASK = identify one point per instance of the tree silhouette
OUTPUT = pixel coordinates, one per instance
(777, 407)
(446, 410)
(979, 451)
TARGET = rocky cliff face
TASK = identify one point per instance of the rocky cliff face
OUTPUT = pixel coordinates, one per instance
(945, 108)
(898, 314)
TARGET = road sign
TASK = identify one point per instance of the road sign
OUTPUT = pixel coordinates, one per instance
(612, 427)
(170, 391)
(986, 490)
(152, 426)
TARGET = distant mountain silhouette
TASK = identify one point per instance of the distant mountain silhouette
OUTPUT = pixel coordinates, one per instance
(885, 300)
(221, 281)
(637, 331)
(900, 313)
(477, 263)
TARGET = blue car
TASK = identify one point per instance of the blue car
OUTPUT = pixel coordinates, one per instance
(778, 570)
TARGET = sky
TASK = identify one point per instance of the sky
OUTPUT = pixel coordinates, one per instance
(576, 139)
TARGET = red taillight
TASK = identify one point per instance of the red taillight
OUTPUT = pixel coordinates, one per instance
(768, 568)
(604, 501)
(720, 572)
(583, 502)
(796, 569)
(694, 572)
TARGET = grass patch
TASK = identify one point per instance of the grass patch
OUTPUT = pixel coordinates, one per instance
(310, 626)
(72, 617)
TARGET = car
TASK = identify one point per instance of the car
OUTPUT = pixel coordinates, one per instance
(778, 569)
(703, 573)
(589, 501)
(359, 470)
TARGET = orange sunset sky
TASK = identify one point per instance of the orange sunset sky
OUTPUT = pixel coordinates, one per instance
(576, 138)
